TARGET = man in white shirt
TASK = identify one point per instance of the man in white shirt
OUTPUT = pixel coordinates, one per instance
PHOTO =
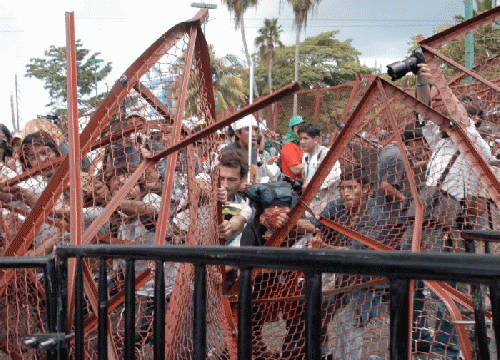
(314, 153)
(232, 174)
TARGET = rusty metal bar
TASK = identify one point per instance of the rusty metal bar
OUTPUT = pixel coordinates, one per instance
(459, 67)
(115, 201)
(75, 190)
(459, 137)
(419, 211)
(161, 225)
(152, 100)
(340, 143)
(260, 103)
(99, 119)
(485, 65)
(464, 28)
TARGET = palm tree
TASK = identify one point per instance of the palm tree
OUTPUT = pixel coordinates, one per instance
(265, 42)
(239, 7)
(301, 9)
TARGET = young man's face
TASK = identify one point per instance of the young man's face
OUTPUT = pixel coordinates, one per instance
(308, 143)
(116, 182)
(37, 155)
(230, 180)
(243, 136)
(353, 193)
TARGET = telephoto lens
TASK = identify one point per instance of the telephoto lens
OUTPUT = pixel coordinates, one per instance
(400, 68)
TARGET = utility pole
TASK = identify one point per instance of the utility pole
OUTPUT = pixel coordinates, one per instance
(12, 110)
(469, 40)
(16, 128)
(95, 62)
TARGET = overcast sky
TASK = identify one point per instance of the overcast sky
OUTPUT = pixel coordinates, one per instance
(122, 30)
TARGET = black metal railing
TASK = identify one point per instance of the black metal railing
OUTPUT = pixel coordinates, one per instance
(398, 267)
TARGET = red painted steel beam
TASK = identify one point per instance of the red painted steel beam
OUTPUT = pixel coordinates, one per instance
(457, 134)
(493, 62)
(340, 143)
(459, 31)
(75, 189)
(152, 100)
(458, 66)
(417, 226)
(260, 103)
(99, 119)
(171, 160)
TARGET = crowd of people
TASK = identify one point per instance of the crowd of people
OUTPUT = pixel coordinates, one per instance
(376, 204)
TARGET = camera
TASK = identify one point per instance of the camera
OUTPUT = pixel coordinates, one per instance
(400, 68)
(296, 184)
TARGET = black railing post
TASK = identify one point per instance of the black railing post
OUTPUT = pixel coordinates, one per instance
(129, 309)
(200, 310)
(313, 315)
(51, 303)
(245, 315)
(102, 331)
(159, 317)
(62, 305)
(79, 304)
(480, 321)
(495, 309)
(50, 294)
(399, 321)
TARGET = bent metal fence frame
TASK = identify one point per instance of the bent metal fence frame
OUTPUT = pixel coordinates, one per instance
(361, 110)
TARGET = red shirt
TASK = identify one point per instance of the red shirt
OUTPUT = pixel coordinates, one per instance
(291, 155)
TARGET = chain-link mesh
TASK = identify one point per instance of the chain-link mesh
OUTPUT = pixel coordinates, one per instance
(388, 158)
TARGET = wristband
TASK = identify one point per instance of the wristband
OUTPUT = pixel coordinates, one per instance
(424, 83)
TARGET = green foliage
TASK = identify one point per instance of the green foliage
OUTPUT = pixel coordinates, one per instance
(486, 45)
(324, 61)
(227, 78)
(268, 39)
(228, 75)
(51, 69)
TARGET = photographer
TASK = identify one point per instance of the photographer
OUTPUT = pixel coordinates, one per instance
(232, 173)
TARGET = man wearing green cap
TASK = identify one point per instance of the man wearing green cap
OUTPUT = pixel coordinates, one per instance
(291, 155)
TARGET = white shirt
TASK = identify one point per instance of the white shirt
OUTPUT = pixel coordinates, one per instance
(461, 180)
(311, 163)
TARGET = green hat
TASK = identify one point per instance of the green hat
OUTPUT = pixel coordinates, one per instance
(290, 135)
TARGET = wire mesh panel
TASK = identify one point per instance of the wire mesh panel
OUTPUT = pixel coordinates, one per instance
(391, 175)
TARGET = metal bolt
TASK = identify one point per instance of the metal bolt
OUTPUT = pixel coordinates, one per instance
(123, 80)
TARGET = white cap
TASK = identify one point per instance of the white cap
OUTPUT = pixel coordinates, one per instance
(247, 121)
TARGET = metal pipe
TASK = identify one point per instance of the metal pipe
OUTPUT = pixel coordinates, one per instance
(313, 315)
(129, 347)
(102, 331)
(159, 311)
(200, 312)
(245, 315)
(79, 305)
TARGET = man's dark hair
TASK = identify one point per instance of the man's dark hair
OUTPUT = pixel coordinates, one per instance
(311, 130)
(39, 138)
(473, 106)
(357, 173)
(413, 132)
(6, 132)
(5, 144)
(234, 158)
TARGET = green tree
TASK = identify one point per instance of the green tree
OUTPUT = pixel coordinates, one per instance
(228, 75)
(269, 37)
(301, 9)
(324, 61)
(486, 46)
(238, 8)
(51, 69)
